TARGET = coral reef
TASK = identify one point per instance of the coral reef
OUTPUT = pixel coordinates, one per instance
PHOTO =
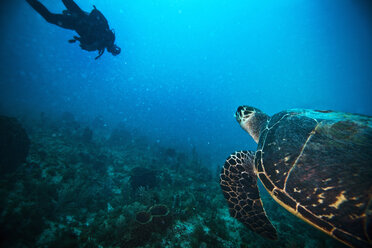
(77, 189)
(143, 217)
(143, 177)
(159, 210)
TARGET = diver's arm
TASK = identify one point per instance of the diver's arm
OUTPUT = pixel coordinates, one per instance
(89, 47)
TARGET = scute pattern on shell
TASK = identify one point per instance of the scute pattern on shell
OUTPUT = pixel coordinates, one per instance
(318, 165)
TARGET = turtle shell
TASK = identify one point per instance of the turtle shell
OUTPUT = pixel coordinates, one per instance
(318, 165)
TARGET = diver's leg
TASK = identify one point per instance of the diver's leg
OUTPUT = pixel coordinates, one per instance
(73, 7)
(63, 21)
(41, 9)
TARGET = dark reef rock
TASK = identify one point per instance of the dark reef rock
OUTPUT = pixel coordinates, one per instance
(156, 220)
(143, 217)
(143, 177)
(159, 210)
(161, 218)
(14, 144)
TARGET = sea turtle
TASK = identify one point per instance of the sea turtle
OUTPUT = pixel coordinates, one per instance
(316, 164)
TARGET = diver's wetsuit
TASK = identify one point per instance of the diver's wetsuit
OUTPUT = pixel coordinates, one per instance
(93, 27)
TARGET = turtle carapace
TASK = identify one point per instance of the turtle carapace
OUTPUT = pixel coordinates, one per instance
(316, 164)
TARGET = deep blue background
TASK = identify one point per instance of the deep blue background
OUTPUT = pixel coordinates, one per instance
(187, 65)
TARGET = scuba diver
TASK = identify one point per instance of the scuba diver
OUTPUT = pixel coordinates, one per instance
(92, 27)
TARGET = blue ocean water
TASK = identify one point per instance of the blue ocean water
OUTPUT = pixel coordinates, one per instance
(186, 65)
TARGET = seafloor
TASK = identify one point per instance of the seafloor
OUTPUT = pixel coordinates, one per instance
(89, 185)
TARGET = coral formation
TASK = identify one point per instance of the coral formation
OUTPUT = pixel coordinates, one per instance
(14, 144)
(142, 176)
(143, 217)
(100, 191)
(159, 210)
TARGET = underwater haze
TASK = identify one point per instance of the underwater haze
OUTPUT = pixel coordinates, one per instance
(184, 68)
(187, 65)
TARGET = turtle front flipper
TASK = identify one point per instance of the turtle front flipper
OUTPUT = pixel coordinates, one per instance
(239, 185)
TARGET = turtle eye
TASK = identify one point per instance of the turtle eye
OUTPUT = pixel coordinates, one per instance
(240, 110)
(244, 111)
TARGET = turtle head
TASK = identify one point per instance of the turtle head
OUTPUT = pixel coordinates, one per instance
(251, 120)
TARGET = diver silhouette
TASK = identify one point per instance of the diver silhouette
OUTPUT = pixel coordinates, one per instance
(92, 27)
